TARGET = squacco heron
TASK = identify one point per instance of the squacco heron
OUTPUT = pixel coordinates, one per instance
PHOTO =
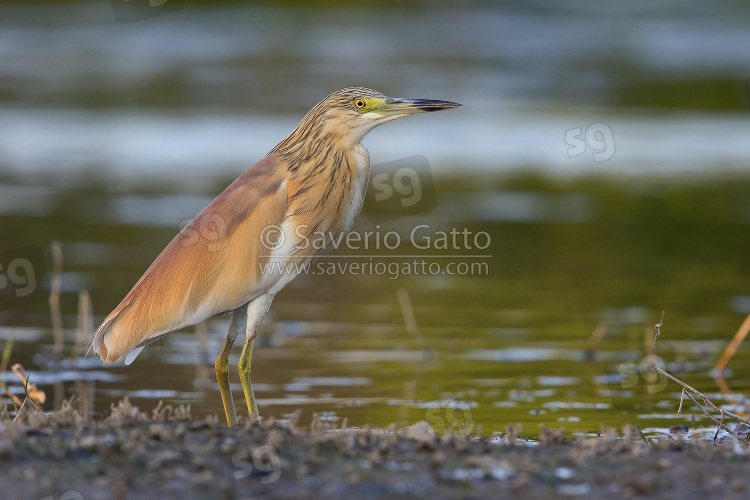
(312, 182)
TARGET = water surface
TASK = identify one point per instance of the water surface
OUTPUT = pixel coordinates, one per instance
(113, 136)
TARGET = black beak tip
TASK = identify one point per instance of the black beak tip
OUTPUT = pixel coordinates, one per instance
(435, 105)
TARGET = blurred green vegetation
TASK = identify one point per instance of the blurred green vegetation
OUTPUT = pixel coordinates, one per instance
(714, 94)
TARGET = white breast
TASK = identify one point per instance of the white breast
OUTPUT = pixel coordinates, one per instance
(359, 187)
(287, 251)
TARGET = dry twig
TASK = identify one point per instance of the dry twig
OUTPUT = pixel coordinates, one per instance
(733, 345)
(719, 428)
(687, 390)
(647, 441)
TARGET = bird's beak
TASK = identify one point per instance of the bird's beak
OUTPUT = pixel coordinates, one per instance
(393, 106)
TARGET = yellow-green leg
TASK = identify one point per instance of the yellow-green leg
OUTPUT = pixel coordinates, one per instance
(256, 311)
(239, 320)
(244, 367)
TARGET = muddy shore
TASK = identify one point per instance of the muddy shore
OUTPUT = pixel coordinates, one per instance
(166, 454)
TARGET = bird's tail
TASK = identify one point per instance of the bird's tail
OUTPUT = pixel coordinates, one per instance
(98, 346)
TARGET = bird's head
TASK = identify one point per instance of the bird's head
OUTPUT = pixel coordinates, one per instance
(349, 114)
(357, 110)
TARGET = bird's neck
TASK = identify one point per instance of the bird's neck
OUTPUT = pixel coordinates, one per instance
(327, 178)
(312, 147)
(321, 135)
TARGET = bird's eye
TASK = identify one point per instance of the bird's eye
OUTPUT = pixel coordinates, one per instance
(359, 103)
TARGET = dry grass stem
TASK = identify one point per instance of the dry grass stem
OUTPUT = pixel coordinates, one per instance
(37, 396)
(410, 321)
(4, 366)
(596, 336)
(733, 345)
(85, 323)
(721, 423)
(13, 397)
(645, 440)
(54, 297)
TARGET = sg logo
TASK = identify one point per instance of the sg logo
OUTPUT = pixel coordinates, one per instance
(455, 416)
(629, 379)
(263, 462)
(20, 273)
(633, 374)
(598, 137)
(405, 182)
(400, 188)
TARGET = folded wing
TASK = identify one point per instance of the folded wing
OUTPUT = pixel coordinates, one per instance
(212, 265)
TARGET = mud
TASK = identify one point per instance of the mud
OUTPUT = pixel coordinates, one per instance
(166, 454)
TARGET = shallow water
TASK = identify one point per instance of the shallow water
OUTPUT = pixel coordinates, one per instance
(113, 136)
(514, 345)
